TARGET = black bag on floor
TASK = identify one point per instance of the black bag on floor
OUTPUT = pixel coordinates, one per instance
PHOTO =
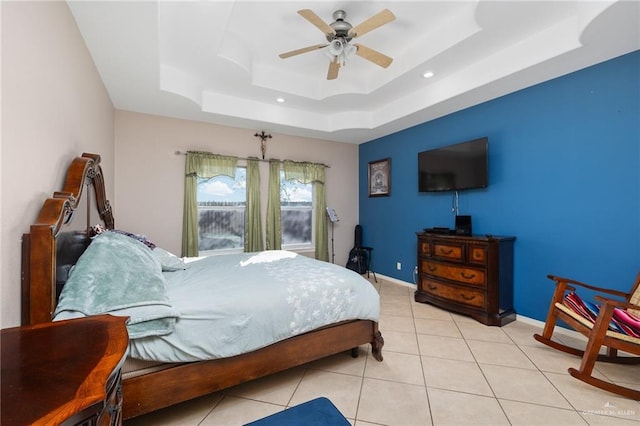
(357, 255)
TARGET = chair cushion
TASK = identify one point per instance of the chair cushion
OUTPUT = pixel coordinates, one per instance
(621, 321)
(588, 323)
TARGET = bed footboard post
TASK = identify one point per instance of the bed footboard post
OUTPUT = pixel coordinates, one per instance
(377, 343)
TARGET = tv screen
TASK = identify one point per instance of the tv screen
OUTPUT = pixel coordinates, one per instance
(454, 167)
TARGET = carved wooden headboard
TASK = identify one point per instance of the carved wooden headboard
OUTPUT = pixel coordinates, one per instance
(60, 235)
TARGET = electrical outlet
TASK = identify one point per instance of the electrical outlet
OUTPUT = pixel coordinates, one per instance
(398, 266)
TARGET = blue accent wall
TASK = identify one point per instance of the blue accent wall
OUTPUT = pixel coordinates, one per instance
(564, 179)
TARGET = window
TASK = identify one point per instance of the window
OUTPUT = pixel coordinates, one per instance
(221, 213)
(221, 209)
(296, 201)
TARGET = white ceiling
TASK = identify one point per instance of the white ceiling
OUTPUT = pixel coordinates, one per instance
(217, 61)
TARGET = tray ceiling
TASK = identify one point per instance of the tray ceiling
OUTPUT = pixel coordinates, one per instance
(217, 61)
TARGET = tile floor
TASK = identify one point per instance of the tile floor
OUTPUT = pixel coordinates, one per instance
(439, 368)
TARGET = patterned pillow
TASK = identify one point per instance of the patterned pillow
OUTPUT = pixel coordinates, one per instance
(139, 237)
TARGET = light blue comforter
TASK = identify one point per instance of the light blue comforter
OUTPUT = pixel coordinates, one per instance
(239, 303)
(121, 276)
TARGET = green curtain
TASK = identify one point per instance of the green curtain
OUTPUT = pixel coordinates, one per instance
(253, 222)
(314, 174)
(320, 207)
(274, 215)
(204, 165)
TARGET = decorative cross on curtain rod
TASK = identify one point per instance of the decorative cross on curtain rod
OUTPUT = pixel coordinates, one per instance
(263, 141)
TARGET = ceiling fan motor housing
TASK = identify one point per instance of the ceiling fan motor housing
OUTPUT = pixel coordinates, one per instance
(340, 26)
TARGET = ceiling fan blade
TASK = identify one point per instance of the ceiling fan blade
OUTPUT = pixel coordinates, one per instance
(372, 23)
(334, 67)
(373, 55)
(310, 16)
(303, 50)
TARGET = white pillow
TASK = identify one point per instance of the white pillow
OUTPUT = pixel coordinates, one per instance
(169, 261)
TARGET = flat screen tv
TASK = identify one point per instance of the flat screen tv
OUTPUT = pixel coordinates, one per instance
(454, 167)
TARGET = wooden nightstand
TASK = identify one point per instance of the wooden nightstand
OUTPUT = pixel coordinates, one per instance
(64, 372)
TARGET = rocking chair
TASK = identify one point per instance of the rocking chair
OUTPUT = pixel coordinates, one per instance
(598, 333)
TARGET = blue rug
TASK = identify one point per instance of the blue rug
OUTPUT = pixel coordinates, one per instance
(317, 412)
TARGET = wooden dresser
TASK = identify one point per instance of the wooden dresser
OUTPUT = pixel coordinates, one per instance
(470, 275)
(64, 372)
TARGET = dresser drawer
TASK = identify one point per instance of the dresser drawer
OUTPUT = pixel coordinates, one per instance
(448, 250)
(461, 274)
(424, 248)
(477, 254)
(471, 297)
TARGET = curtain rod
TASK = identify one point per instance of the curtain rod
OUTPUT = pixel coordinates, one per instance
(178, 152)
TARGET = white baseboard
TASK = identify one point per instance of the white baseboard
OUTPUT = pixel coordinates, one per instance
(396, 281)
(521, 318)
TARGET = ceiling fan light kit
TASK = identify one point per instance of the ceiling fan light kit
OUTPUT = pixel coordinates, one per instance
(339, 35)
(340, 51)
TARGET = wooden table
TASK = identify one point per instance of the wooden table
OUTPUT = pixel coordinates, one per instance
(64, 372)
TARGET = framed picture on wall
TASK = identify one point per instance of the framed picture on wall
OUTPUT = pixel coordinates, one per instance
(380, 178)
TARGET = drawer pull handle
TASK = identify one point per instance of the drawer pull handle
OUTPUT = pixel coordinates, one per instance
(467, 297)
(432, 268)
(467, 277)
(431, 287)
(443, 251)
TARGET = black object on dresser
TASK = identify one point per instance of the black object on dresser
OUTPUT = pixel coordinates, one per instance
(470, 275)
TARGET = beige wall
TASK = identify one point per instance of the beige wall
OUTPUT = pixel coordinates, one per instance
(149, 175)
(54, 107)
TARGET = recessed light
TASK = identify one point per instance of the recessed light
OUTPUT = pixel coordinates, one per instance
(428, 74)
(280, 100)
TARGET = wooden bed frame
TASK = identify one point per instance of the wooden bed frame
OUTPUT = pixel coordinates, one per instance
(58, 238)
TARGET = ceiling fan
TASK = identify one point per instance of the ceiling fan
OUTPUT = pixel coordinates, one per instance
(339, 35)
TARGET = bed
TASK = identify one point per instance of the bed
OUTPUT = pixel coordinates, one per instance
(75, 231)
